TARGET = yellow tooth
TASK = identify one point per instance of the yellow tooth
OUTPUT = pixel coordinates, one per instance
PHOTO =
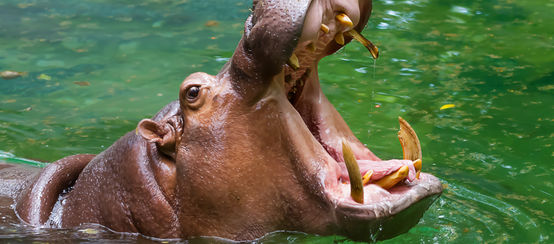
(356, 186)
(339, 38)
(344, 19)
(367, 177)
(311, 47)
(411, 148)
(393, 179)
(367, 43)
(324, 28)
(417, 165)
(293, 62)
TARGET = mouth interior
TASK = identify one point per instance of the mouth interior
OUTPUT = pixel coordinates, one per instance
(337, 179)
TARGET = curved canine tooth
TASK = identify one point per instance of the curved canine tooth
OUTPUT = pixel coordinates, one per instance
(356, 186)
(374, 50)
(367, 177)
(344, 19)
(411, 148)
(393, 179)
(324, 28)
(339, 38)
(293, 62)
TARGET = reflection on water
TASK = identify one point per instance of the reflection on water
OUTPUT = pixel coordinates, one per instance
(95, 68)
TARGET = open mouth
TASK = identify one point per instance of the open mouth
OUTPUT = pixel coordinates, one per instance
(361, 185)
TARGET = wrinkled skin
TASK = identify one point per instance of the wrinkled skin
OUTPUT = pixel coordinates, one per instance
(252, 150)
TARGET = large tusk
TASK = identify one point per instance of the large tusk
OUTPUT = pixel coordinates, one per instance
(344, 19)
(393, 179)
(293, 62)
(367, 43)
(411, 148)
(356, 186)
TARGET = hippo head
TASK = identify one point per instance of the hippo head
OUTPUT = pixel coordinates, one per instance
(259, 148)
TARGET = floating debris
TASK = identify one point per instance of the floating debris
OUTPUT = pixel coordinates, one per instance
(158, 24)
(9, 74)
(211, 23)
(82, 83)
(44, 77)
(447, 106)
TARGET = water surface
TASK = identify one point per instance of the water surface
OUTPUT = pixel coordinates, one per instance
(97, 67)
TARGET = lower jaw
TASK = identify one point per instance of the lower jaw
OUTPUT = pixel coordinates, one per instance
(383, 220)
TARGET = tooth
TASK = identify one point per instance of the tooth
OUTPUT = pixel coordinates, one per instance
(392, 179)
(411, 149)
(367, 43)
(324, 28)
(417, 166)
(339, 38)
(344, 19)
(356, 187)
(367, 177)
(293, 62)
(311, 47)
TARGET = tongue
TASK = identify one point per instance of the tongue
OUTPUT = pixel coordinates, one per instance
(380, 168)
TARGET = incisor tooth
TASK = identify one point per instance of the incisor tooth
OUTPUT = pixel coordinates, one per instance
(324, 28)
(367, 177)
(411, 148)
(356, 186)
(393, 179)
(344, 19)
(417, 166)
(293, 62)
(367, 43)
(339, 38)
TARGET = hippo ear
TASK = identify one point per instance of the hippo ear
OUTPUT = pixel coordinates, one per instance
(271, 33)
(162, 133)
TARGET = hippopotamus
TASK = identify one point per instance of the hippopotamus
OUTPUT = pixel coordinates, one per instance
(254, 149)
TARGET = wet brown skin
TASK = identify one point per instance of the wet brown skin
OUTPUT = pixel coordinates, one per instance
(238, 155)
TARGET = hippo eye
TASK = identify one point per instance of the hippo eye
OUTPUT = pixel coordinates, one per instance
(192, 93)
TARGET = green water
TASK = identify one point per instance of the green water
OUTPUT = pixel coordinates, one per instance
(97, 67)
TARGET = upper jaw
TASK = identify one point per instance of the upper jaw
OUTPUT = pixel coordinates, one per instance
(327, 27)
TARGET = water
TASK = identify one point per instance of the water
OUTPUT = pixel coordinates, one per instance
(95, 68)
